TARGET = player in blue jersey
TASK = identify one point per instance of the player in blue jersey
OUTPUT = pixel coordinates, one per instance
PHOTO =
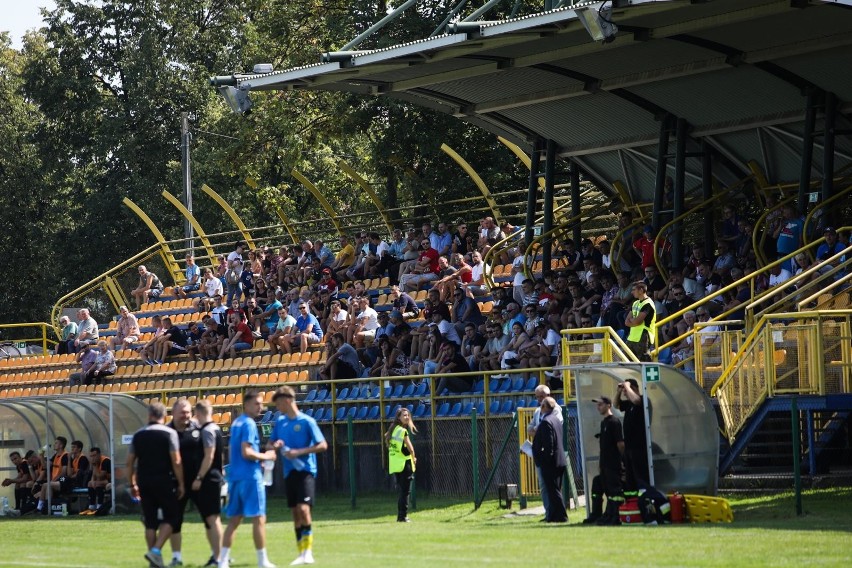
(246, 492)
(298, 438)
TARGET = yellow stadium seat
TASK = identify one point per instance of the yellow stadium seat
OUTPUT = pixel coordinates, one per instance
(225, 418)
(265, 360)
(384, 282)
(230, 398)
(262, 378)
(303, 376)
(215, 381)
(215, 418)
(315, 357)
(169, 384)
(292, 376)
(272, 377)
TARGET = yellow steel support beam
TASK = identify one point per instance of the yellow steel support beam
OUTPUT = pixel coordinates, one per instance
(286, 222)
(492, 204)
(368, 190)
(166, 253)
(251, 182)
(320, 197)
(623, 194)
(522, 156)
(231, 213)
(211, 254)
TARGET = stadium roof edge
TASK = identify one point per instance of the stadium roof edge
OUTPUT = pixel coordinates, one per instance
(736, 70)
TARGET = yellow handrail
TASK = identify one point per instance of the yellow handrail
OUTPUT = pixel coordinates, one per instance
(41, 325)
(662, 231)
(819, 206)
(619, 235)
(563, 226)
(835, 284)
(749, 279)
(757, 244)
(795, 279)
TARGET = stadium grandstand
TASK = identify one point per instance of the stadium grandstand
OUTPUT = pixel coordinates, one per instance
(700, 147)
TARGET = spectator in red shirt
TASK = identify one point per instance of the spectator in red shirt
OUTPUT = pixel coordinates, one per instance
(327, 283)
(425, 268)
(239, 337)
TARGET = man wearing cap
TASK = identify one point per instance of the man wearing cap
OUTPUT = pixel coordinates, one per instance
(327, 283)
(611, 442)
(641, 322)
(549, 456)
(829, 248)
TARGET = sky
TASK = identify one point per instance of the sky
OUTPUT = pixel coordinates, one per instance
(18, 16)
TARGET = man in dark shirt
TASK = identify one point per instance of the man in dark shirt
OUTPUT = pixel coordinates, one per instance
(201, 455)
(549, 456)
(20, 481)
(173, 342)
(611, 451)
(100, 481)
(635, 441)
(155, 475)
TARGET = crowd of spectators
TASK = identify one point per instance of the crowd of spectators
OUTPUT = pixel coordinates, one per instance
(62, 475)
(300, 296)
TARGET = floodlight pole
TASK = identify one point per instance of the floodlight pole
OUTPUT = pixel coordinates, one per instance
(185, 137)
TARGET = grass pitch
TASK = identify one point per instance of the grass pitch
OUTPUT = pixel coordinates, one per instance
(765, 532)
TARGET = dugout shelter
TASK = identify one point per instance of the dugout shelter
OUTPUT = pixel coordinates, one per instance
(105, 421)
(681, 427)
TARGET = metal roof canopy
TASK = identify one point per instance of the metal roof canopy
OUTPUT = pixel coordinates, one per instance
(737, 71)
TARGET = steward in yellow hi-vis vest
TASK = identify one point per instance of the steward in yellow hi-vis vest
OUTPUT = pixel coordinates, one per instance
(401, 459)
(641, 322)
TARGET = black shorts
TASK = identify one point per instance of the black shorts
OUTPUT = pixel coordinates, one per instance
(208, 501)
(300, 487)
(66, 484)
(156, 498)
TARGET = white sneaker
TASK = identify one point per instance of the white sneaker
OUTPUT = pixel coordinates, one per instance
(267, 564)
(225, 564)
(299, 560)
(308, 557)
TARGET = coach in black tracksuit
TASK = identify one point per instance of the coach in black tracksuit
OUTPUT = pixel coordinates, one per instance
(549, 455)
(201, 452)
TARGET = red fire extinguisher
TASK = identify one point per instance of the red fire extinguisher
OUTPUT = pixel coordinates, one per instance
(678, 505)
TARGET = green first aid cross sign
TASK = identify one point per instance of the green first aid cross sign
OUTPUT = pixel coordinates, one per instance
(651, 373)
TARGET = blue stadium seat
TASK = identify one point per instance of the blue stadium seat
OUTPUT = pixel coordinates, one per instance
(267, 417)
(343, 393)
(493, 384)
(309, 412)
(388, 391)
(468, 406)
(532, 382)
(410, 408)
(456, 410)
(421, 410)
(394, 409)
(522, 403)
(443, 409)
(505, 385)
(387, 411)
(341, 413)
(312, 396)
(422, 390)
(319, 414)
(276, 416)
(561, 402)
(397, 391)
(354, 393)
(494, 407)
(362, 413)
(507, 408)
(321, 395)
(352, 412)
(409, 390)
(479, 387)
(517, 384)
(480, 407)
(374, 412)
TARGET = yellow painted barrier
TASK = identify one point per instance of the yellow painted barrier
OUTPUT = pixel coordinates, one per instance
(231, 213)
(192, 221)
